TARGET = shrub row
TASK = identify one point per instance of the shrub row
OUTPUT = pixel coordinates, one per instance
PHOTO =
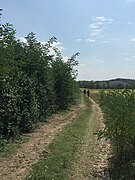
(34, 84)
(118, 107)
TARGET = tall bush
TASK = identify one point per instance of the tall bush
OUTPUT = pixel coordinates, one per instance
(34, 84)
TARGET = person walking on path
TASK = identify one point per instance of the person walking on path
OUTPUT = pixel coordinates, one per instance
(84, 92)
(88, 93)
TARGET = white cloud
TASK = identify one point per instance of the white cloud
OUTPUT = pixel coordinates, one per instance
(96, 32)
(78, 40)
(22, 39)
(58, 45)
(99, 18)
(65, 58)
(130, 59)
(104, 42)
(90, 40)
(102, 19)
(93, 26)
(43, 43)
(98, 25)
(132, 39)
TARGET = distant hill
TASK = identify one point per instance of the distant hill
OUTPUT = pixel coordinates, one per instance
(118, 83)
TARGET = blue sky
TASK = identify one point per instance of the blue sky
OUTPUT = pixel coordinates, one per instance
(103, 31)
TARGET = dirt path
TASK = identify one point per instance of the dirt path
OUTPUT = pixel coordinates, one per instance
(18, 165)
(92, 163)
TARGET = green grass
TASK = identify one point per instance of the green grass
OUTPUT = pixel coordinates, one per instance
(95, 95)
(7, 148)
(57, 164)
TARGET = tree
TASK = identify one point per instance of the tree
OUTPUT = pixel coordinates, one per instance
(64, 80)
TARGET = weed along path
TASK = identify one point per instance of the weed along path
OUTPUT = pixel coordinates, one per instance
(91, 162)
(18, 165)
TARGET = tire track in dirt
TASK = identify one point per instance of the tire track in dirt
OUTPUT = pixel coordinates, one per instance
(17, 166)
(92, 163)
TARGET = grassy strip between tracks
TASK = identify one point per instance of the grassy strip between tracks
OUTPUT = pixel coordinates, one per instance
(57, 163)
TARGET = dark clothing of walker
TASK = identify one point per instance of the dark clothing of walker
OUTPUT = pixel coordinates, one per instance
(88, 93)
(84, 92)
